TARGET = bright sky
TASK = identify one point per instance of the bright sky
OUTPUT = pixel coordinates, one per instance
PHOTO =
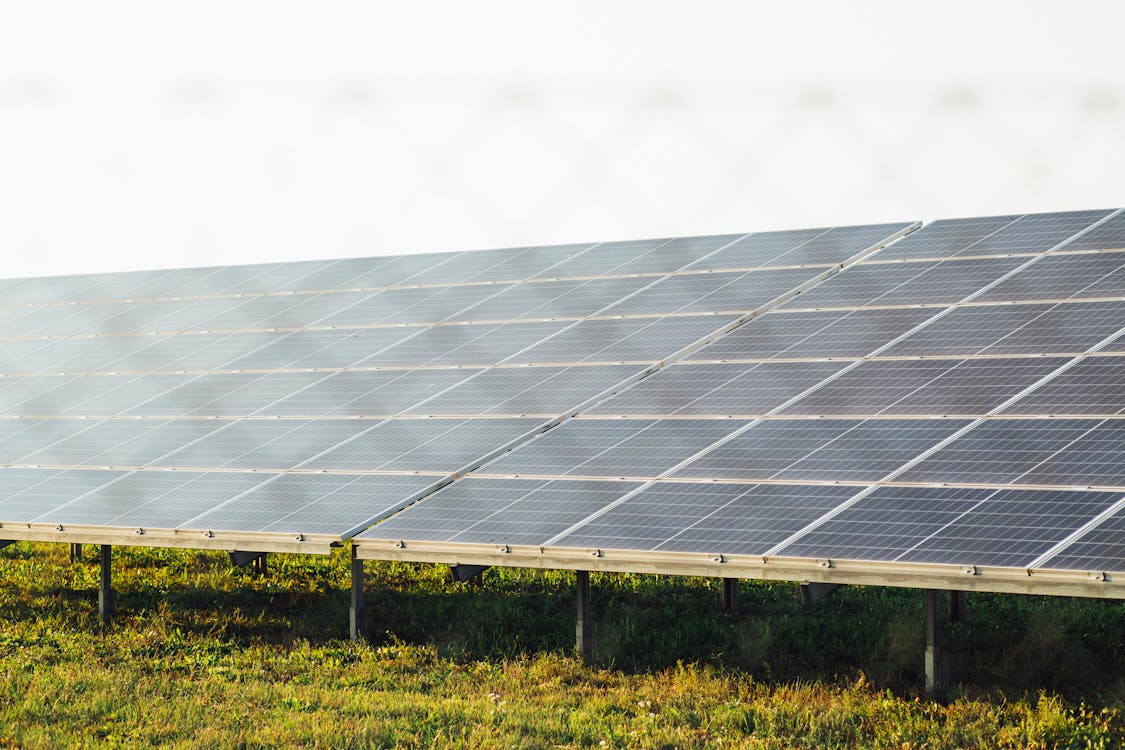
(136, 135)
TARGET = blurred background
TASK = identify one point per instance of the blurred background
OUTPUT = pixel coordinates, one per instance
(144, 135)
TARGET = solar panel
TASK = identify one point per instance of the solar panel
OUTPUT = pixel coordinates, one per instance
(949, 400)
(910, 410)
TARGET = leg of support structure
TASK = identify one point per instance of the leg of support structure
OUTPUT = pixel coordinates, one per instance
(261, 565)
(357, 612)
(937, 665)
(105, 589)
(76, 553)
(583, 636)
(958, 606)
(730, 595)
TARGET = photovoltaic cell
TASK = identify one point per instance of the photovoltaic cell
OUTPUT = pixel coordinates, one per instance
(1011, 528)
(552, 299)
(501, 265)
(1095, 386)
(1102, 548)
(622, 340)
(607, 257)
(1064, 277)
(717, 389)
(28, 493)
(511, 511)
(676, 254)
(524, 390)
(361, 393)
(718, 292)
(837, 449)
(886, 523)
(951, 526)
(461, 344)
(925, 387)
(612, 447)
(947, 238)
(1107, 235)
(847, 333)
(428, 445)
(337, 504)
(1069, 328)
(933, 283)
(733, 519)
(150, 499)
(803, 246)
(1051, 452)
(995, 235)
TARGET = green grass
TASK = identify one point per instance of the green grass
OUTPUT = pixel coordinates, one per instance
(205, 655)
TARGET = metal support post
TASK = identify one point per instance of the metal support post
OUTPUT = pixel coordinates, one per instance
(958, 606)
(583, 636)
(75, 552)
(261, 565)
(357, 611)
(105, 588)
(730, 595)
(937, 664)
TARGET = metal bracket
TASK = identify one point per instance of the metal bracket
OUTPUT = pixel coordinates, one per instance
(258, 559)
(812, 592)
(462, 573)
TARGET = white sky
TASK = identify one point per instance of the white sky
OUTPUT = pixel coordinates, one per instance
(136, 135)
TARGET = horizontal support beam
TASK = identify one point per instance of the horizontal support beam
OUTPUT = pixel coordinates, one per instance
(1099, 585)
(5, 542)
(318, 544)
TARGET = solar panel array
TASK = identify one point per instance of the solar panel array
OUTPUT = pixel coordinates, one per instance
(262, 407)
(954, 399)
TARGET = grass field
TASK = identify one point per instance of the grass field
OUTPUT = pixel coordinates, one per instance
(202, 654)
